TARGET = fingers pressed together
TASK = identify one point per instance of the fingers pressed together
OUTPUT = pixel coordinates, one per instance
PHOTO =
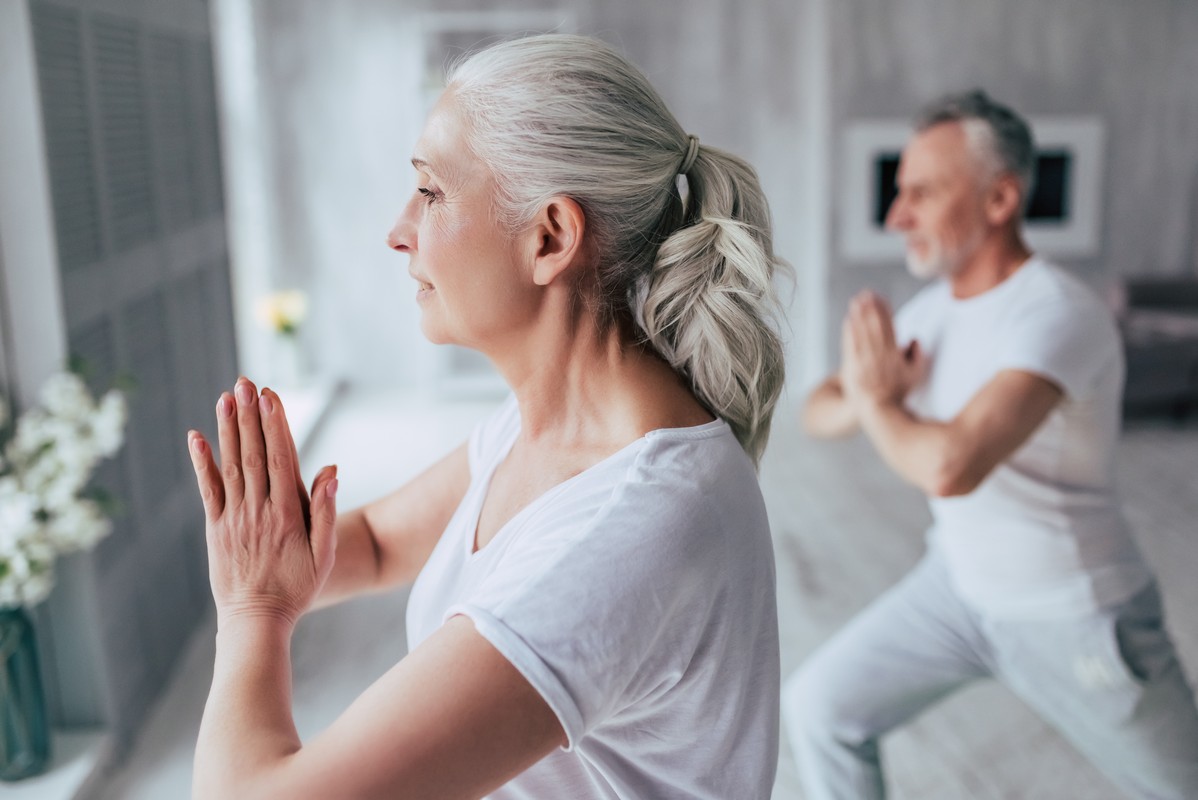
(258, 457)
(870, 322)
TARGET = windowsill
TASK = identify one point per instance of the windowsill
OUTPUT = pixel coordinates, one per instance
(73, 756)
(306, 406)
(79, 757)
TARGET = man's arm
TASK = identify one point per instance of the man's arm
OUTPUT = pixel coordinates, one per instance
(952, 458)
(941, 458)
(828, 414)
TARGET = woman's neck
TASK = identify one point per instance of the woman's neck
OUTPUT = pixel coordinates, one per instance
(580, 383)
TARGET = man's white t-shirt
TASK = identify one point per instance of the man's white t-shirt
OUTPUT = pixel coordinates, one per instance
(1043, 535)
(638, 599)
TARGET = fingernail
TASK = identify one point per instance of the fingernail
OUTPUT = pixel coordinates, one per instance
(196, 443)
(224, 406)
(331, 491)
(266, 403)
(245, 395)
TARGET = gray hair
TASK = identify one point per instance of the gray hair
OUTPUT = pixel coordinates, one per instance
(556, 115)
(997, 135)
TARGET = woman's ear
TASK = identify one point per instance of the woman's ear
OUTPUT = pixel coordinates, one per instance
(558, 239)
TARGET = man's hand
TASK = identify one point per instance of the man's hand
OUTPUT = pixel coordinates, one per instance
(873, 367)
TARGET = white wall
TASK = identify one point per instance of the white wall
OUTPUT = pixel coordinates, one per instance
(324, 127)
(1133, 65)
(776, 81)
(340, 100)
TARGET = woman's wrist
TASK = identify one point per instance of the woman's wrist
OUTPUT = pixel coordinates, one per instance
(257, 622)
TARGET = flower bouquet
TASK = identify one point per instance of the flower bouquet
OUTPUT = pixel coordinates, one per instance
(47, 456)
(46, 460)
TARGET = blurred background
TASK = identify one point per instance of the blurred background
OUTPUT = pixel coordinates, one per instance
(169, 167)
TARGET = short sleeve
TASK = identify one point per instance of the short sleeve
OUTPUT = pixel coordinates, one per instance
(589, 630)
(618, 613)
(1069, 343)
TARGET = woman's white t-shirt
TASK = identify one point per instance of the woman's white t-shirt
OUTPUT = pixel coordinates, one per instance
(638, 599)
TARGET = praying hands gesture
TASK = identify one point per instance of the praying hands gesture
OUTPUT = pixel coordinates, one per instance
(873, 367)
(454, 719)
(270, 544)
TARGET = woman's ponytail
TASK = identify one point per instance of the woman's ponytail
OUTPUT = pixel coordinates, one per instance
(710, 305)
(567, 115)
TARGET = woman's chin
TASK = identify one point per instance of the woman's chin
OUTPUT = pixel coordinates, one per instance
(435, 332)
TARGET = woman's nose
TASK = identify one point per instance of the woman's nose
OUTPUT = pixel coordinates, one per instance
(402, 237)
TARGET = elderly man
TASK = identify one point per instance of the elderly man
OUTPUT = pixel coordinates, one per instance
(996, 391)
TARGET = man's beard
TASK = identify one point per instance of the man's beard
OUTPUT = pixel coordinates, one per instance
(941, 262)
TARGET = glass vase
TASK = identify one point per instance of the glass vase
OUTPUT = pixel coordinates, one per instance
(291, 365)
(24, 732)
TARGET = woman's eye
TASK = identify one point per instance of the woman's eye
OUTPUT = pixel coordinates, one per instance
(428, 194)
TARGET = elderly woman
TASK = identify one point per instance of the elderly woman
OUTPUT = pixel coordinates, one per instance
(593, 614)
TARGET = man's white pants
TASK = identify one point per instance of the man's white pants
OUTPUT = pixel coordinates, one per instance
(1110, 682)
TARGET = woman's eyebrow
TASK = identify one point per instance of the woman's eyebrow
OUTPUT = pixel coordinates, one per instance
(448, 174)
(424, 166)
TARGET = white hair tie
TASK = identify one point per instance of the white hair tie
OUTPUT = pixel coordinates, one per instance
(692, 150)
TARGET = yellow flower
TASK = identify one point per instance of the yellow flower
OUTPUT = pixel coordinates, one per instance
(282, 312)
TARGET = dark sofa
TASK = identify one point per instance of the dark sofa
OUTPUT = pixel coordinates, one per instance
(1158, 318)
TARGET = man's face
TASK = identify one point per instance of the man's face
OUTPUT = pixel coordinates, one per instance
(939, 205)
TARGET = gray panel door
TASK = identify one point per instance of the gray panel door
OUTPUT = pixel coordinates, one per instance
(129, 111)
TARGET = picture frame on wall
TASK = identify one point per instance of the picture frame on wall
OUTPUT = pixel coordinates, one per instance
(1064, 213)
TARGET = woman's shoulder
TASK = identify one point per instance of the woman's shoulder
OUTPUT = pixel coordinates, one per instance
(702, 475)
(700, 460)
(658, 497)
(686, 496)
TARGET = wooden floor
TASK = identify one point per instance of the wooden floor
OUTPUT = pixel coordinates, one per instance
(844, 529)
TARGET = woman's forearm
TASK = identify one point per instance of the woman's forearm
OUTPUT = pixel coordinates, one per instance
(247, 731)
(356, 568)
(386, 543)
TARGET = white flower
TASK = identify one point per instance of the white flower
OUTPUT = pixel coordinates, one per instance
(65, 395)
(29, 435)
(51, 453)
(18, 516)
(108, 424)
(22, 584)
(77, 526)
(60, 488)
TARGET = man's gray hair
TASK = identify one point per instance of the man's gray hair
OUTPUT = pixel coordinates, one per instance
(999, 136)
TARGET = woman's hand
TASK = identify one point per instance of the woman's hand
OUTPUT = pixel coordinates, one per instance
(269, 551)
